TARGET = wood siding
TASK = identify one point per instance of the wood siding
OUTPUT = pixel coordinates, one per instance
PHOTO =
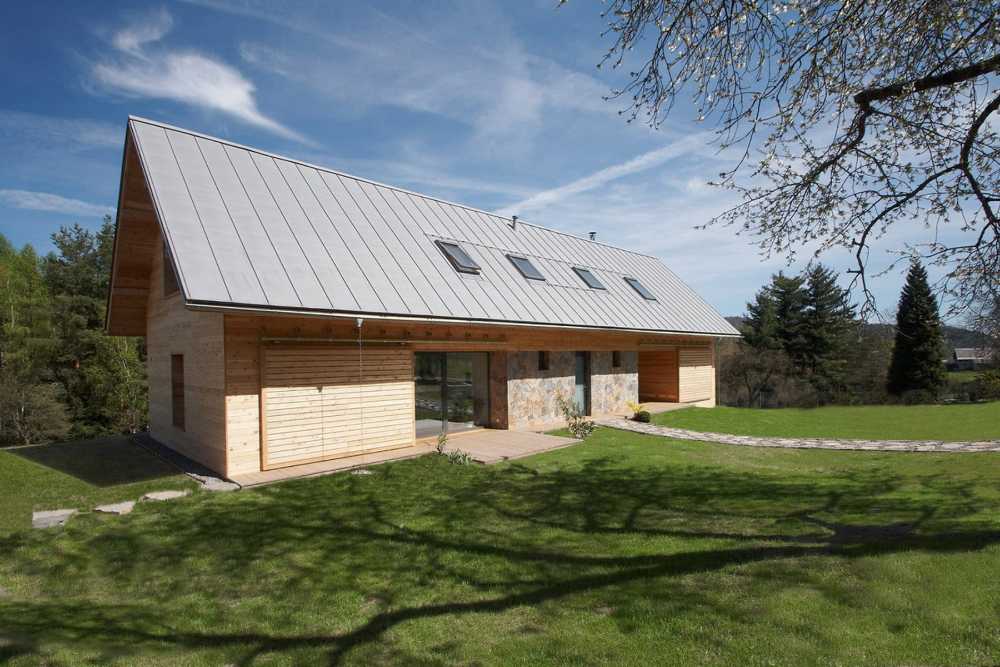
(697, 376)
(658, 376)
(172, 329)
(326, 402)
(243, 345)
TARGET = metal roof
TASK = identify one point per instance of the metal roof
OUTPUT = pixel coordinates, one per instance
(255, 230)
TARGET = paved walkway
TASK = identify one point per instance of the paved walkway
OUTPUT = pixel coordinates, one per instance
(805, 443)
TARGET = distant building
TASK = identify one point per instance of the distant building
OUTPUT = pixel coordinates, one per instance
(970, 358)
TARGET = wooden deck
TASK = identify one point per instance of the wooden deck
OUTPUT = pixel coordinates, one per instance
(484, 446)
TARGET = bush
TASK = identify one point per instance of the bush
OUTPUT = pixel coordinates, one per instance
(577, 423)
(987, 385)
(642, 416)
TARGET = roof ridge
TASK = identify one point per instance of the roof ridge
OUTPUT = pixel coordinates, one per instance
(491, 214)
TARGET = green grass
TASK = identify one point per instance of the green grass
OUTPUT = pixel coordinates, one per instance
(78, 475)
(626, 549)
(890, 422)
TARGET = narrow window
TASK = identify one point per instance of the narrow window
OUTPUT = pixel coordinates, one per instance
(526, 268)
(170, 285)
(589, 278)
(616, 359)
(177, 389)
(543, 361)
(458, 257)
(641, 289)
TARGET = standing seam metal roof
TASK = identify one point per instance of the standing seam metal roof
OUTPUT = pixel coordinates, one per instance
(250, 229)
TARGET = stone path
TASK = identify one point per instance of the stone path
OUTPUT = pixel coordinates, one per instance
(50, 518)
(805, 443)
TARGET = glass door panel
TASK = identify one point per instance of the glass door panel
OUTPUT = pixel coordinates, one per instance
(468, 390)
(429, 385)
(581, 395)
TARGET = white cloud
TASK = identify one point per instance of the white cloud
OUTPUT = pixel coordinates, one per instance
(603, 176)
(132, 38)
(69, 134)
(183, 76)
(46, 201)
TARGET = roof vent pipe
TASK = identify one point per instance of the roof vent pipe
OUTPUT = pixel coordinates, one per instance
(513, 222)
(592, 235)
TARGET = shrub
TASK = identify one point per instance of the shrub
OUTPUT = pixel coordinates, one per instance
(576, 422)
(642, 416)
(441, 443)
(458, 457)
(987, 385)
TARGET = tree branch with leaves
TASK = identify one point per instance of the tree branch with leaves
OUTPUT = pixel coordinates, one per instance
(861, 117)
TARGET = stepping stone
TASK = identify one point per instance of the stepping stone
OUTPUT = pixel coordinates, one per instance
(50, 518)
(210, 483)
(165, 495)
(116, 508)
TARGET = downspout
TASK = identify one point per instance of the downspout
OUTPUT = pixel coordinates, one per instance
(361, 393)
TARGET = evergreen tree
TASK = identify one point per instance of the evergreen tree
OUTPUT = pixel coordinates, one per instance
(103, 380)
(791, 302)
(829, 324)
(760, 330)
(31, 409)
(916, 357)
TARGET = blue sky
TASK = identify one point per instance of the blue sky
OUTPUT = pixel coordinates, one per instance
(497, 105)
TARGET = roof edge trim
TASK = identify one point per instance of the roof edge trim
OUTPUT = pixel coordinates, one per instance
(306, 312)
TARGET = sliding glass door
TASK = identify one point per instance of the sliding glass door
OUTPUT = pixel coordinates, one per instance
(452, 391)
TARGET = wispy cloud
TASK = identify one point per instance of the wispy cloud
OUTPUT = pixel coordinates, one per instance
(505, 94)
(603, 176)
(184, 76)
(52, 203)
(69, 134)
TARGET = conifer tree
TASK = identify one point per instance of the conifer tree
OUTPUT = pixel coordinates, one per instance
(790, 302)
(829, 322)
(916, 357)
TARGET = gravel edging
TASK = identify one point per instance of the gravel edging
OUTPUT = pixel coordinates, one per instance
(939, 446)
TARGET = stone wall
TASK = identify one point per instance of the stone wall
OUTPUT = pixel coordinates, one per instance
(612, 388)
(532, 394)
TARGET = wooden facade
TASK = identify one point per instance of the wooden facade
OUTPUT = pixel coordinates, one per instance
(266, 391)
(243, 391)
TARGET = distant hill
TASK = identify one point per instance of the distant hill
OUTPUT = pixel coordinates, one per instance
(953, 336)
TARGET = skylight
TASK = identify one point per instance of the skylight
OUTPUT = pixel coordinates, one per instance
(641, 289)
(589, 278)
(526, 268)
(458, 257)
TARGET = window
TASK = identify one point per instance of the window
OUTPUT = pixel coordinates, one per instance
(616, 359)
(543, 361)
(170, 285)
(641, 289)
(526, 268)
(589, 278)
(458, 257)
(177, 389)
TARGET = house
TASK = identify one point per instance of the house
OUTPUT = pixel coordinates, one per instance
(295, 314)
(970, 358)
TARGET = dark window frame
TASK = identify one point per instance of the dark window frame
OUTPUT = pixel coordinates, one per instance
(177, 390)
(530, 272)
(592, 281)
(457, 256)
(616, 359)
(544, 360)
(640, 289)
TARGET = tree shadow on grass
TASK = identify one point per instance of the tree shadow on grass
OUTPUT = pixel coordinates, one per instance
(102, 462)
(455, 542)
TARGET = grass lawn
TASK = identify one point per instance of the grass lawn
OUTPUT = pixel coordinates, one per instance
(979, 421)
(626, 549)
(78, 475)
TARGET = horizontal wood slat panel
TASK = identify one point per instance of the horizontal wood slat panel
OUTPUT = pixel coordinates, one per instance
(315, 408)
(658, 375)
